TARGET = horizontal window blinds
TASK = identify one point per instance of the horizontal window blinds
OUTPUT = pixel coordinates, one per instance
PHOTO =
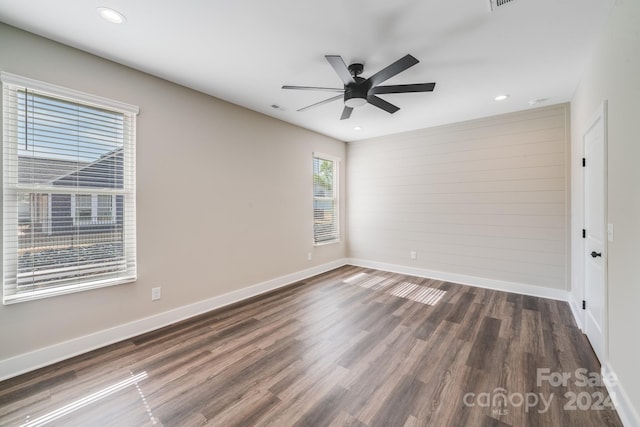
(68, 191)
(325, 200)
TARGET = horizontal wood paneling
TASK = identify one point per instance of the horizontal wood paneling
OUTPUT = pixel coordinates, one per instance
(485, 198)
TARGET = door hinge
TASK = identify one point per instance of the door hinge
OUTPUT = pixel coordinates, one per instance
(584, 233)
(584, 305)
(584, 162)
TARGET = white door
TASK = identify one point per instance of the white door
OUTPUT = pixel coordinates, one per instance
(595, 256)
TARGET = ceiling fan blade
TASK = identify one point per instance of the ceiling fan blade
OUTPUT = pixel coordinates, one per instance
(396, 68)
(323, 89)
(381, 103)
(418, 87)
(326, 101)
(346, 113)
(341, 68)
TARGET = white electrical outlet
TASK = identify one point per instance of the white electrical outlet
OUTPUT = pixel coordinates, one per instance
(309, 256)
(610, 232)
(414, 255)
(156, 293)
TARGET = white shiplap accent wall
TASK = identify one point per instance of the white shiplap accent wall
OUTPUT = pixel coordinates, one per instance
(485, 198)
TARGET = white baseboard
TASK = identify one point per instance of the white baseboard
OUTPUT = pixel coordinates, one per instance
(30, 361)
(478, 282)
(627, 413)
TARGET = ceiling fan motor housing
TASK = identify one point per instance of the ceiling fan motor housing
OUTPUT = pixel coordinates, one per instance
(355, 94)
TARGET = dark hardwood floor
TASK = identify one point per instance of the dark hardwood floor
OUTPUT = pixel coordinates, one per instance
(352, 347)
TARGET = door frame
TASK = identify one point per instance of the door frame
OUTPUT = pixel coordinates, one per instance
(601, 115)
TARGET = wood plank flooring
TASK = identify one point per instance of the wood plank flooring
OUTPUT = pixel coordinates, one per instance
(351, 347)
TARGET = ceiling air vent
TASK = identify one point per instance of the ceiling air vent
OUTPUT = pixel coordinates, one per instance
(497, 3)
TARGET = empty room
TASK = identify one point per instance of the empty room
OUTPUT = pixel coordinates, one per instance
(337, 213)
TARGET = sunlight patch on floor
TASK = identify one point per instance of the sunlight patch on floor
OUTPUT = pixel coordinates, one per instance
(408, 290)
(355, 277)
(86, 400)
(417, 293)
(375, 282)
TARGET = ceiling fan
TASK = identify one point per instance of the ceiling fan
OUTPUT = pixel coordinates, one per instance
(359, 91)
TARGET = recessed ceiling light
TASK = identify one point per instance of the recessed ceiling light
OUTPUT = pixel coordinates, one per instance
(111, 15)
(501, 97)
(357, 128)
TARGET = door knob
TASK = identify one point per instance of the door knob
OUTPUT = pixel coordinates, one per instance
(596, 254)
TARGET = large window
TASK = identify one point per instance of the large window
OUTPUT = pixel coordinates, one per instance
(326, 228)
(68, 190)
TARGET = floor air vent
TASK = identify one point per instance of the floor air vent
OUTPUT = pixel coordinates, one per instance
(497, 3)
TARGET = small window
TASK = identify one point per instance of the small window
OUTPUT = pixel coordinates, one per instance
(68, 190)
(326, 227)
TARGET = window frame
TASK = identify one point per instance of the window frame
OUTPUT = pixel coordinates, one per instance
(335, 198)
(12, 85)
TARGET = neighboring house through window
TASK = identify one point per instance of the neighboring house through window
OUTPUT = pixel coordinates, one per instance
(88, 209)
(68, 190)
(326, 227)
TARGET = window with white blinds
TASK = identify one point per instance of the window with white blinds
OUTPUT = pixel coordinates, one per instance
(69, 215)
(326, 228)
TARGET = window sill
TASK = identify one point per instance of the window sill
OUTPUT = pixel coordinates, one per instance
(93, 224)
(329, 242)
(63, 290)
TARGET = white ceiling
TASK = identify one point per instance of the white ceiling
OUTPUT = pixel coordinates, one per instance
(243, 51)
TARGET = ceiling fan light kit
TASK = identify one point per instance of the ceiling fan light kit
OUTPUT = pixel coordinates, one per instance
(355, 95)
(358, 91)
(354, 100)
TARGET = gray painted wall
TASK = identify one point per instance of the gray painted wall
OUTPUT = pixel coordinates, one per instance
(224, 197)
